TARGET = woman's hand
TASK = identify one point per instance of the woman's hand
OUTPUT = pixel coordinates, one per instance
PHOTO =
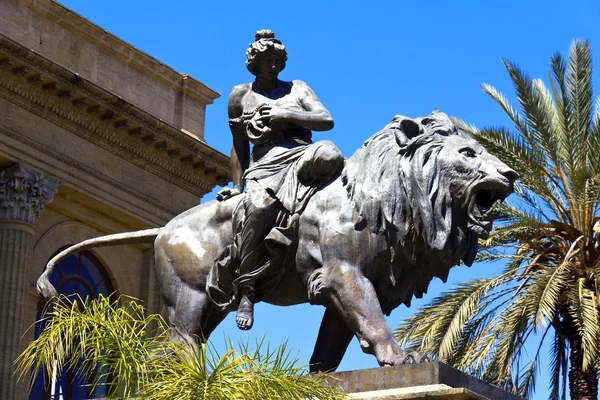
(270, 114)
(227, 193)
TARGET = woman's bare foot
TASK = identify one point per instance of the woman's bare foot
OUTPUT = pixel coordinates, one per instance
(245, 314)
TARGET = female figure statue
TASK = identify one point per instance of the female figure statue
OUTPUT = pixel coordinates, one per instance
(284, 169)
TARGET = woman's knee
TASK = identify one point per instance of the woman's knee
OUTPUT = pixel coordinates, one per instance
(323, 164)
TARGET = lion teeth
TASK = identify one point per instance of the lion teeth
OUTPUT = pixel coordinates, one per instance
(480, 210)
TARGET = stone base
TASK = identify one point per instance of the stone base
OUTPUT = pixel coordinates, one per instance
(416, 381)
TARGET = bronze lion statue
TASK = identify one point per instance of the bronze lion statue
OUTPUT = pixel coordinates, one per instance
(409, 204)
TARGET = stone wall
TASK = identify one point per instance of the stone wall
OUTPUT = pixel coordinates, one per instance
(57, 33)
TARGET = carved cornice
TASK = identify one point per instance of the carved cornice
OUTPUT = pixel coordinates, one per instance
(64, 98)
(24, 192)
(67, 165)
(81, 26)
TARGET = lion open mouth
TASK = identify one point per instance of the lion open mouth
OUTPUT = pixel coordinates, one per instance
(483, 198)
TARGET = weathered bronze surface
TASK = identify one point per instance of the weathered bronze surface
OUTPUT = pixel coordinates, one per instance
(357, 236)
(281, 174)
(409, 204)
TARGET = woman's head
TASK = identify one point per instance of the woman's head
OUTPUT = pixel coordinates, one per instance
(264, 46)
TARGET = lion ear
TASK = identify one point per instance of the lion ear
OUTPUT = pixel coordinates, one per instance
(408, 129)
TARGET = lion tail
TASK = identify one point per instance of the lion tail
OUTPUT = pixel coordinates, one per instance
(46, 290)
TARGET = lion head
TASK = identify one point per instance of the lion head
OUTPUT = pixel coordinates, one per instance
(429, 188)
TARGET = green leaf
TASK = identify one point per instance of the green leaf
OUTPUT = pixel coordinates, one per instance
(583, 309)
(146, 364)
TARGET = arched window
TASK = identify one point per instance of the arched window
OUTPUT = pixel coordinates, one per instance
(79, 274)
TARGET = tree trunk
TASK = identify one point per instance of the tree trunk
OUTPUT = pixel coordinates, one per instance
(583, 385)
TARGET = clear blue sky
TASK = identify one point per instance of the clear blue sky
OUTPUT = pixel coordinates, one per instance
(367, 61)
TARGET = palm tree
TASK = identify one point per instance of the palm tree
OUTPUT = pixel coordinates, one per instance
(550, 287)
(117, 339)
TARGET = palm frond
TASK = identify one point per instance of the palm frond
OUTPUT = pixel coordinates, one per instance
(515, 117)
(470, 306)
(549, 237)
(518, 216)
(241, 373)
(562, 101)
(531, 199)
(508, 335)
(450, 308)
(512, 150)
(527, 380)
(539, 115)
(519, 225)
(147, 365)
(102, 331)
(594, 142)
(547, 289)
(579, 87)
(558, 368)
(583, 308)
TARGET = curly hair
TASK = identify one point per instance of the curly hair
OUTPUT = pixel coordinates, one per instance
(264, 42)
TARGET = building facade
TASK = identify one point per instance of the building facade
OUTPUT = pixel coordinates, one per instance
(96, 137)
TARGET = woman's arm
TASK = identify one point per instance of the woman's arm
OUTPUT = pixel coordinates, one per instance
(240, 148)
(314, 116)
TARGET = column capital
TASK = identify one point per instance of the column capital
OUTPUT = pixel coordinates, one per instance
(24, 192)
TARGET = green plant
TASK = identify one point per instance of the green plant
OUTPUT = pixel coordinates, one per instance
(115, 337)
(549, 237)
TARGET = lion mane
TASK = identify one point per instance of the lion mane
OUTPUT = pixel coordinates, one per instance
(398, 190)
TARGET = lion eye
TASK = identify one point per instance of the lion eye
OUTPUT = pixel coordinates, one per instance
(468, 152)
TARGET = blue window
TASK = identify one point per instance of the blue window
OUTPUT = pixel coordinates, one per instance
(79, 274)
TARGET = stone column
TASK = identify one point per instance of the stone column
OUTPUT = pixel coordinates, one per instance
(23, 194)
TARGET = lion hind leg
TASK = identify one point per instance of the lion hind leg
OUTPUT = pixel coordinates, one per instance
(192, 318)
(332, 342)
(186, 318)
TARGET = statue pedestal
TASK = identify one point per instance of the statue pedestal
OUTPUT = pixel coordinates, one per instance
(416, 381)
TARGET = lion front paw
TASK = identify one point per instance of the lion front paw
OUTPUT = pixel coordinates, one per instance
(415, 357)
(391, 354)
